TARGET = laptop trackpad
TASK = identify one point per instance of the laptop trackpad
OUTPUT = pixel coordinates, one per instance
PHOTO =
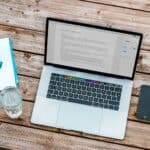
(79, 117)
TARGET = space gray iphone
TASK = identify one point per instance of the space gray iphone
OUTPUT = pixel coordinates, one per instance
(143, 110)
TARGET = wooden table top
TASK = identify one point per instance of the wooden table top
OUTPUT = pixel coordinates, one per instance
(24, 21)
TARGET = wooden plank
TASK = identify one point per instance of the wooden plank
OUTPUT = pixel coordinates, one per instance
(135, 135)
(29, 85)
(24, 40)
(144, 62)
(139, 80)
(31, 64)
(134, 128)
(32, 14)
(143, 5)
(18, 137)
(27, 109)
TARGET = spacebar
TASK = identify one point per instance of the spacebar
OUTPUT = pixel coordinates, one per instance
(79, 101)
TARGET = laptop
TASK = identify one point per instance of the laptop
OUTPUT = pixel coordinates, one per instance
(87, 78)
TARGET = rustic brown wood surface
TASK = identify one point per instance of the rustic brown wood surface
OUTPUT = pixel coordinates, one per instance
(24, 21)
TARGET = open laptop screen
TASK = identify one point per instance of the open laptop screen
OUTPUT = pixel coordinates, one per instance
(96, 49)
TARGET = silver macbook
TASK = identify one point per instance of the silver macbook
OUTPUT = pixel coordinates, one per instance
(87, 78)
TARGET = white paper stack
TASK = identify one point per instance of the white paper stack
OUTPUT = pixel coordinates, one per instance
(8, 72)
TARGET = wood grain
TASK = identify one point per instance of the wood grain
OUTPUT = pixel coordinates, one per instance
(18, 137)
(24, 21)
(32, 14)
(133, 128)
(144, 62)
(131, 4)
(23, 39)
(139, 80)
(29, 64)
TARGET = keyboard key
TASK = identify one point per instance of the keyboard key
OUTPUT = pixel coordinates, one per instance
(68, 90)
(73, 86)
(103, 96)
(112, 88)
(116, 108)
(113, 93)
(83, 92)
(109, 97)
(95, 104)
(68, 85)
(81, 83)
(102, 87)
(112, 102)
(111, 107)
(86, 102)
(88, 89)
(100, 100)
(48, 96)
(118, 89)
(108, 92)
(96, 86)
(101, 105)
(105, 101)
(99, 95)
(105, 106)
(74, 90)
(53, 96)
(79, 92)
(94, 94)
(60, 93)
(75, 95)
(70, 94)
(85, 97)
(83, 87)
(114, 98)
(55, 92)
(95, 99)
(80, 96)
(93, 90)
(63, 89)
(65, 94)
(91, 99)
(59, 88)
(106, 88)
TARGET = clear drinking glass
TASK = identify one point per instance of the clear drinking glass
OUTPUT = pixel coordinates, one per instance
(11, 101)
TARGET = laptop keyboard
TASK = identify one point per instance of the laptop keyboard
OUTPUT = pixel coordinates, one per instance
(84, 91)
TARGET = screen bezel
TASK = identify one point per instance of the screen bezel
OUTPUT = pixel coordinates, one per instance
(96, 27)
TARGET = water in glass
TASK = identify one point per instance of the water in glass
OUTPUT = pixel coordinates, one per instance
(11, 101)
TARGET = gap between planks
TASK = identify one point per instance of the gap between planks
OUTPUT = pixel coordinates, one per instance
(117, 5)
(61, 137)
(71, 133)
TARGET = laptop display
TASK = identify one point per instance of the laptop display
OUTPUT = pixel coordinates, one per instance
(95, 49)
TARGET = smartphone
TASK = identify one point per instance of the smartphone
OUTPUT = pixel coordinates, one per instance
(143, 110)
